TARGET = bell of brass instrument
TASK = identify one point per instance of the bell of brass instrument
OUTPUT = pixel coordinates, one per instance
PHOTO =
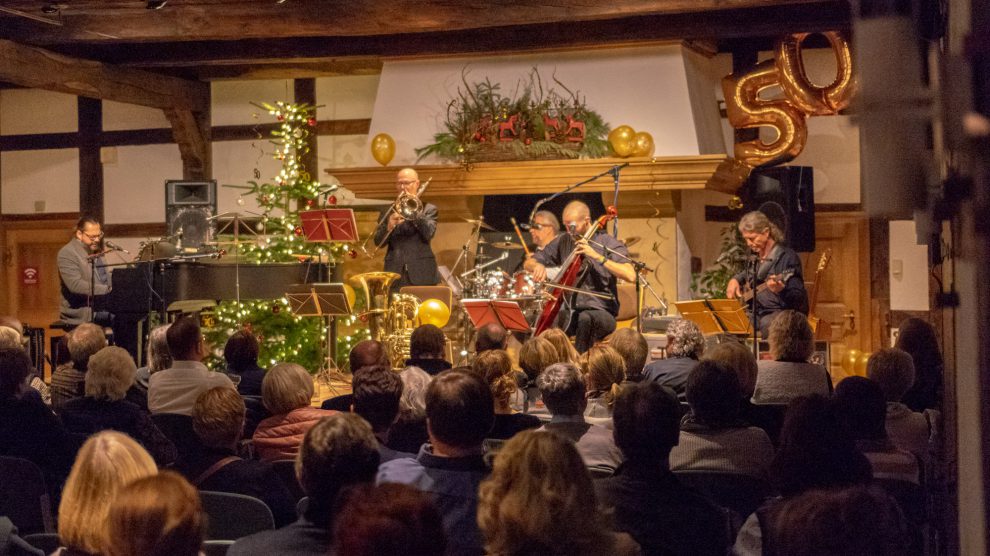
(375, 286)
(407, 206)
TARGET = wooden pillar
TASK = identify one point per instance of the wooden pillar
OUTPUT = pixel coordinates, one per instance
(90, 113)
(744, 59)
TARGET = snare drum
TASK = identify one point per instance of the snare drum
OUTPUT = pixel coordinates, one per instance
(523, 284)
(492, 284)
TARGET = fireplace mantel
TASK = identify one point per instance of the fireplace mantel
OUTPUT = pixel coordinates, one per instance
(668, 174)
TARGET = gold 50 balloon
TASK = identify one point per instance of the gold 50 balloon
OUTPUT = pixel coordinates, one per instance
(801, 98)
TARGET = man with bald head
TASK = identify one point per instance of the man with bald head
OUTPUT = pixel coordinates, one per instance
(588, 317)
(409, 254)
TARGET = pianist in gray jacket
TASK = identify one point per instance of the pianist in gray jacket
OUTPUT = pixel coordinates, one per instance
(76, 270)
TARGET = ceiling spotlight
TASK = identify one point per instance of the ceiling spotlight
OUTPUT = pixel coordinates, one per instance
(50, 9)
(280, 1)
(156, 4)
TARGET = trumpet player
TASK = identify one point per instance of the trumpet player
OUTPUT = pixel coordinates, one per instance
(407, 230)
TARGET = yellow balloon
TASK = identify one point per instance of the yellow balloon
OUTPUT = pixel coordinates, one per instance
(861, 363)
(383, 148)
(433, 311)
(351, 295)
(849, 360)
(642, 144)
(622, 140)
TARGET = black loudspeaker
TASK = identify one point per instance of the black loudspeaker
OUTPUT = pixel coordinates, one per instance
(786, 194)
(189, 207)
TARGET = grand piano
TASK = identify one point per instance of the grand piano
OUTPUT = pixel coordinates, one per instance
(146, 287)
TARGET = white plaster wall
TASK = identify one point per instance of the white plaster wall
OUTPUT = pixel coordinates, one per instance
(234, 163)
(25, 111)
(49, 176)
(346, 97)
(120, 116)
(908, 268)
(134, 185)
(340, 151)
(232, 100)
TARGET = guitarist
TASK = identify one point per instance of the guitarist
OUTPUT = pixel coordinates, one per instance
(589, 318)
(778, 281)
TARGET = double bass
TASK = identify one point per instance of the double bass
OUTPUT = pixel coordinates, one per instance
(569, 275)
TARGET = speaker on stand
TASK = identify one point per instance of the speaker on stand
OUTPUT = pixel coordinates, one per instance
(189, 207)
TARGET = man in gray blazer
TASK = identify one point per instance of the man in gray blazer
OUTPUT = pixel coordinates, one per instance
(409, 253)
(75, 271)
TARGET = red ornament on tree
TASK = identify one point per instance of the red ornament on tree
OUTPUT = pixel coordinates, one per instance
(298, 231)
(311, 122)
(276, 308)
(310, 202)
(332, 199)
(279, 117)
(352, 253)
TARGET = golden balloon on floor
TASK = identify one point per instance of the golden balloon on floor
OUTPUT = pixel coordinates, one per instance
(861, 362)
(383, 148)
(849, 361)
(433, 311)
(622, 140)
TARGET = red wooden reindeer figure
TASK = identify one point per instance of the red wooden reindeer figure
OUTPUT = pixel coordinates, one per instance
(575, 130)
(482, 128)
(509, 130)
(551, 127)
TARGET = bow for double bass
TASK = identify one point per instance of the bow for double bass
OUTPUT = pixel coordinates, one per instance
(568, 277)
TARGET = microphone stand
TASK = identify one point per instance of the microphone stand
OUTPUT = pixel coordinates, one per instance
(614, 171)
(754, 266)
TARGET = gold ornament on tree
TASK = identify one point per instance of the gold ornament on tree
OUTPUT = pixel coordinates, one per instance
(383, 148)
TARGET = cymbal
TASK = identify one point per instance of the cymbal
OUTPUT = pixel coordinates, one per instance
(482, 257)
(482, 241)
(506, 245)
(481, 222)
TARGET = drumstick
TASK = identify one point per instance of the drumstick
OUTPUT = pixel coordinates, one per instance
(519, 233)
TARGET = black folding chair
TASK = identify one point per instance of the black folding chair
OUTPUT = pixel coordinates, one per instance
(232, 516)
(24, 496)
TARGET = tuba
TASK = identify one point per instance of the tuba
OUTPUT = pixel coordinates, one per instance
(401, 321)
(375, 286)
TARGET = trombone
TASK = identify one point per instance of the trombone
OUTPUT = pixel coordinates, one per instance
(407, 206)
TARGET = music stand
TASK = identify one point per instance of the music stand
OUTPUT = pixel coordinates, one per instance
(329, 225)
(505, 313)
(328, 301)
(716, 316)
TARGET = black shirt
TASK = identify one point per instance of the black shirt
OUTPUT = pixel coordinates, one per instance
(595, 276)
(782, 260)
(506, 425)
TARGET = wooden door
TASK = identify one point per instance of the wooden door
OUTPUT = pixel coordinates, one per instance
(844, 295)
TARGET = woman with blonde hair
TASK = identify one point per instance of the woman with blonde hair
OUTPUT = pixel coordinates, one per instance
(286, 393)
(106, 462)
(159, 515)
(563, 345)
(604, 371)
(540, 499)
(535, 355)
(495, 367)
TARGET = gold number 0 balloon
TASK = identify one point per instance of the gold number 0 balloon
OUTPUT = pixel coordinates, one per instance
(811, 99)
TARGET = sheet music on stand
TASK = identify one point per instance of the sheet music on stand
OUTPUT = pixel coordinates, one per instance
(504, 312)
(716, 316)
(328, 301)
(325, 225)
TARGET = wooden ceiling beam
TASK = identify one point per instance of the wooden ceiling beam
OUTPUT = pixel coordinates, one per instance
(37, 68)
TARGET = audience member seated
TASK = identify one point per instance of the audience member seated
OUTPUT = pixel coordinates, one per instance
(685, 345)
(647, 501)
(408, 432)
(241, 354)
(217, 420)
(495, 367)
(159, 515)
(427, 349)
(286, 392)
(634, 349)
(12, 335)
(566, 353)
(534, 356)
(893, 370)
(158, 357)
(340, 451)
(741, 360)
(175, 389)
(69, 380)
(790, 375)
(562, 388)
(860, 407)
(460, 411)
(366, 353)
(106, 462)
(377, 391)
(604, 373)
(28, 429)
(111, 373)
(490, 336)
(854, 520)
(388, 519)
(540, 500)
(815, 452)
(918, 338)
(713, 438)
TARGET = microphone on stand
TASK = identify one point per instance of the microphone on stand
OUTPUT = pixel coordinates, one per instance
(114, 247)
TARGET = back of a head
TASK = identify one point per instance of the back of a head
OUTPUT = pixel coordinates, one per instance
(241, 351)
(860, 407)
(15, 367)
(218, 417)
(537, 354)
(367, 353)
(184, 338)
(157, 515)
(490, 336)
(158, 355)
(815, 450)
(633, 348)
(460, 409)
(10, 338)
(856, 520)
(84, 341)
(646, 422)
(495, 367)
(790, 337)
(917, 337)
(390, 518)
(338, 451)
(377, 391)
(684, 339)
(12, 322)
(604, 369)
(562, 389)
(427, 341)
(106, 462)
(566, 353)
(713, 393)
(740, 359)
(286, 386)
(893, 370)
(111, 373)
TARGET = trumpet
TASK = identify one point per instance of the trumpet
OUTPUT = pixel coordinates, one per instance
(406, 205)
